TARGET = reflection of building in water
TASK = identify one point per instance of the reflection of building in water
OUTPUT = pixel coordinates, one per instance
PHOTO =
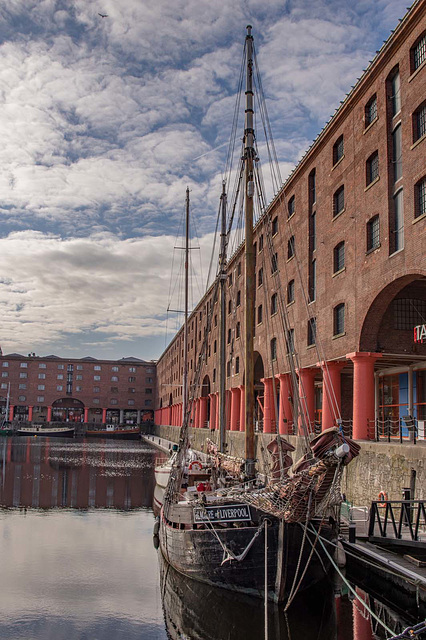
(46, 475)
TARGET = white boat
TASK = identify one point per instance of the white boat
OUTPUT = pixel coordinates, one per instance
(42, 430)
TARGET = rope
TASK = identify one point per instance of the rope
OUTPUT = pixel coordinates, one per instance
(411, 632)
(266, 580)
(349, 586)
(227, 554)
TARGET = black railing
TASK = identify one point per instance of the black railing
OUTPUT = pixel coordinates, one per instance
(401, 520)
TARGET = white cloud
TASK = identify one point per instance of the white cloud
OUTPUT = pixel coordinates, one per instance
(95, 285)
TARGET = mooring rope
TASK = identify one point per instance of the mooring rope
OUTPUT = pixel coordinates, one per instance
(349, 586)
(411, 633)
(266, 580)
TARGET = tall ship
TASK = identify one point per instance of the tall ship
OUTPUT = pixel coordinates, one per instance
(267, 532)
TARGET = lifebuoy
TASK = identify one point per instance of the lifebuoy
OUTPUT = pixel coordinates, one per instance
(195, 465)
(383, 496)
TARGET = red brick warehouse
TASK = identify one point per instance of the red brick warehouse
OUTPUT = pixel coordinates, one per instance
(53, 389)
(351, 220)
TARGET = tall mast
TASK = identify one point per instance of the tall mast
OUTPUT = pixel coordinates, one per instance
(249, 154)
(222, 344)
(185, 325)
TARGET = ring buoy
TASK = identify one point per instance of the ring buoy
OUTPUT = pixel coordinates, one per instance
(195, 465)
(383, 497)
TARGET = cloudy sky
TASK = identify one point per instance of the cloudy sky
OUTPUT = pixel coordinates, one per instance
(105, 121)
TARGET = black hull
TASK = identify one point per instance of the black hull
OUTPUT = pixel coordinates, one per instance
(197, 553)
(114, 435)
(200, 612)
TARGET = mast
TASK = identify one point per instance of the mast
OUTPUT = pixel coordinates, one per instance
(185, 325)
(249, 154)
(222, 344)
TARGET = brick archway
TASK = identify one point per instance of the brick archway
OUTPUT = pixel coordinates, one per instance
(376, 332)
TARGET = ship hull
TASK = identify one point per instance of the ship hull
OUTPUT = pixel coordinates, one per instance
(59, 432)
(119, 434)
(198, 554)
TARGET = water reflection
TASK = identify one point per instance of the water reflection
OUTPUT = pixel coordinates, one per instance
(47, 473)
(200, 612)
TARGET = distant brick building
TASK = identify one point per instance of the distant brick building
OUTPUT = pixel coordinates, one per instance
(46, 389)
(348, 228)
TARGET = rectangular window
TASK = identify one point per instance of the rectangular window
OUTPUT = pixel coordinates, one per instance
(398, 222)
(60, 366)
(78, 388)
(420, 198)
(3, 385)
(148, 403)
(395, 94)
(339, 201)
(373, 233)
(41, 387)
(22, 375)
(338, 150)
(275, 226)
(60, 376)
(419, 122)
(274, 304)
(372, 168)
(290, 292)
(24, 365)
(42, 365)
(23, 385)
(79, 367)
(259, 314)
(96, 377)
(114, 368)
(290, 247)
(371, 111)
(5, 374)
(113, 401)
(313, 281)
(274, 263)
(339, 257)
(418, 53)
(114, 389)
(131, 390)
(70, 367)
(313, 232)
(260, 277)
(132, 379)
(290, 341)
(291, 206)
(339, 319)
(41, 376)
(273, 349)
(237, 365)
(261, 243)
(132, 369)
(79, 376)
(59, 387)
(96, 389)
(397, 153)
(312, 188)
(5, 364)
(95, 400)
(40, 398)
(114, 378)
(97, 367)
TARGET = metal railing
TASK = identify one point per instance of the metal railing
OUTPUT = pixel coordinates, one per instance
(402, 520)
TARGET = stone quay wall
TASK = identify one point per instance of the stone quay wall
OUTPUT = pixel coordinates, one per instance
(380, 466)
